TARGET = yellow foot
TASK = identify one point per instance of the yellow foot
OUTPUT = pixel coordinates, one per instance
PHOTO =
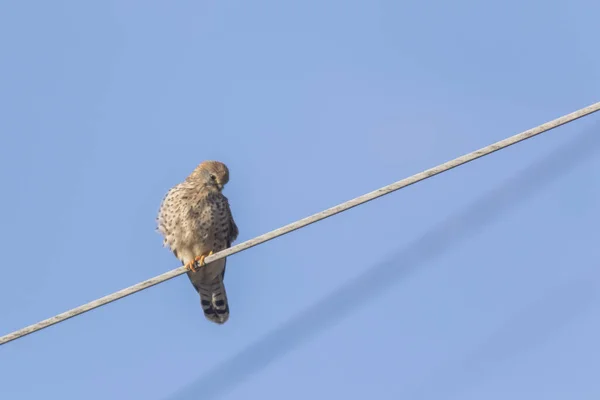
(190, 266)
(200, 259)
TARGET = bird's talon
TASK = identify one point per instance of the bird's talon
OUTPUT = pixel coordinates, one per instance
(190, 266)
(200, 259)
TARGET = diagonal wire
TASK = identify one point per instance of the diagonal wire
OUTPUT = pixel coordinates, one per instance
(228, 375)
(307, 221)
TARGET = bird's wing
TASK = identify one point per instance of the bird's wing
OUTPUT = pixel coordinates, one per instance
(165, 214)
(233, 229)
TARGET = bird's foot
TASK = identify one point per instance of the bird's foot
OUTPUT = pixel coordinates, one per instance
(190, 266)
(200, 259)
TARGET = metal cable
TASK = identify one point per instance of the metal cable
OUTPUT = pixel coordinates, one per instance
(306, 221)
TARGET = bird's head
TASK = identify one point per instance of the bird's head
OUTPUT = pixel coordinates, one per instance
(211, 173)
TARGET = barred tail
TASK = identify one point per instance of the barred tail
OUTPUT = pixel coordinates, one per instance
(213, 299)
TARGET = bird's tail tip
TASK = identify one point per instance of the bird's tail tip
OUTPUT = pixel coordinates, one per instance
(214, 313)
(213, 299)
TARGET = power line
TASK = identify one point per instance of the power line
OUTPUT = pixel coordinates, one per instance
(380, 277)
(306, 221)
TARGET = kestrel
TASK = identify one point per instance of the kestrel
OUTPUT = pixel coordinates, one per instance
(195, 221)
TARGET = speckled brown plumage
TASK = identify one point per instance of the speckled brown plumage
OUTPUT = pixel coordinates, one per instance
(195, 220)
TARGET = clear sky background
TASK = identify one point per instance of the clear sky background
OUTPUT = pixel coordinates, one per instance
(481, 283)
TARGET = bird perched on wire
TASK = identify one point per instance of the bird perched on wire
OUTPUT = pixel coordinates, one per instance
(196, 221)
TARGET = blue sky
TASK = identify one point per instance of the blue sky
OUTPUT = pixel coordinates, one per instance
(479, 283)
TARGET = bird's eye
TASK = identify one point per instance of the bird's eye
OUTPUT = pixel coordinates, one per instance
(213, 177)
